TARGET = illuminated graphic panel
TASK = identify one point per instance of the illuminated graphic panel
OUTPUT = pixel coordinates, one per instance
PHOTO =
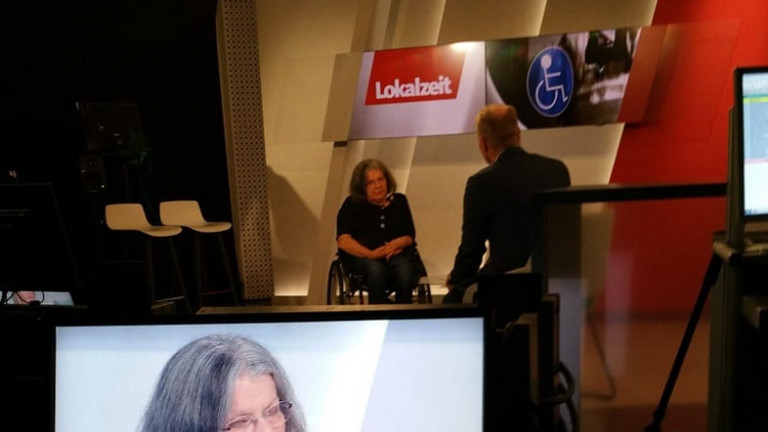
(419, 91)
(562, 80)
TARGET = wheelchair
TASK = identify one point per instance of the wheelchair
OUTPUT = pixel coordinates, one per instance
(345, 287)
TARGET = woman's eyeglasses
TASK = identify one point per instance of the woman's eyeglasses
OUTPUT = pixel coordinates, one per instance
(275, 416)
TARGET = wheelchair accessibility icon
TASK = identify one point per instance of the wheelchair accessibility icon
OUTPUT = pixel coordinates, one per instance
(550, 81)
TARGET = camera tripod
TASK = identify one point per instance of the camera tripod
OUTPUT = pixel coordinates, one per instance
(721, 253)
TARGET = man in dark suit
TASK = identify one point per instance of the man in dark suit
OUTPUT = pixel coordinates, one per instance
(498, 203)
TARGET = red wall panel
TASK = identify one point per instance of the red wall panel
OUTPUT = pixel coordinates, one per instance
(660, 249)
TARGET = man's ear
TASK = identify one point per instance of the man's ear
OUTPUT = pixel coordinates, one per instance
(482, 144)
(485, 149)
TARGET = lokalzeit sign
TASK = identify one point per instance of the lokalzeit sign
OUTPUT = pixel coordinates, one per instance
(415, 75)
(421, 91)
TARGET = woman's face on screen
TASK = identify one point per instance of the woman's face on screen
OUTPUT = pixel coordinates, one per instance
(255, 405)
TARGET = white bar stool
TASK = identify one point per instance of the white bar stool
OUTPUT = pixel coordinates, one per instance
(187, 213)
(131, 217)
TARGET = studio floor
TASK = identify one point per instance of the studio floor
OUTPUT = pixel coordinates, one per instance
(639, 353)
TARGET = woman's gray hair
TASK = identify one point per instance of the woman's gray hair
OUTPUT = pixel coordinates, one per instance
(193, 391)
(359, 180)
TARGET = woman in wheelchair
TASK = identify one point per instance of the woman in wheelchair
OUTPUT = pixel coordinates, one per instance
(376, 236)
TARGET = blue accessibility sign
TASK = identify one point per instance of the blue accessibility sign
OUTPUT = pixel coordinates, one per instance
(550, 81)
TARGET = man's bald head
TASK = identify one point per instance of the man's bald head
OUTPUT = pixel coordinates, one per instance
(497, 125)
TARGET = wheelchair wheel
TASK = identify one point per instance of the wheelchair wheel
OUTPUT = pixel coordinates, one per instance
(423, 289)
(423, 293)
(336, 294)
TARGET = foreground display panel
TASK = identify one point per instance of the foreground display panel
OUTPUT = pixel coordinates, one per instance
(350, 372)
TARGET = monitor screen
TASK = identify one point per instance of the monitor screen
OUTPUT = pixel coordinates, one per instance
(53, 298)
(349, 372)
(751, 102)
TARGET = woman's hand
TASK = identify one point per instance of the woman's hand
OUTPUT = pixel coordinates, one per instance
(391, 250)
(349, 245)
(378, 253)
(386, 251)
(396, 246)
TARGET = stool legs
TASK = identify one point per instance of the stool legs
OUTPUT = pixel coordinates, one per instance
(149, 256)
(180, 277)
(201, 274)
(175, 295)
(228, 270)
(202, 271)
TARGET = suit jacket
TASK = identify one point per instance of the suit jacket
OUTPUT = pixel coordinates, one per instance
(498, 207)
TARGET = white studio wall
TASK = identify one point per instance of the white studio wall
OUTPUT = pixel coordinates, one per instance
(576, 15)
(299, 42)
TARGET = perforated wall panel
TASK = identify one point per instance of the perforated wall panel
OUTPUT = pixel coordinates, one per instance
(244, 129)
